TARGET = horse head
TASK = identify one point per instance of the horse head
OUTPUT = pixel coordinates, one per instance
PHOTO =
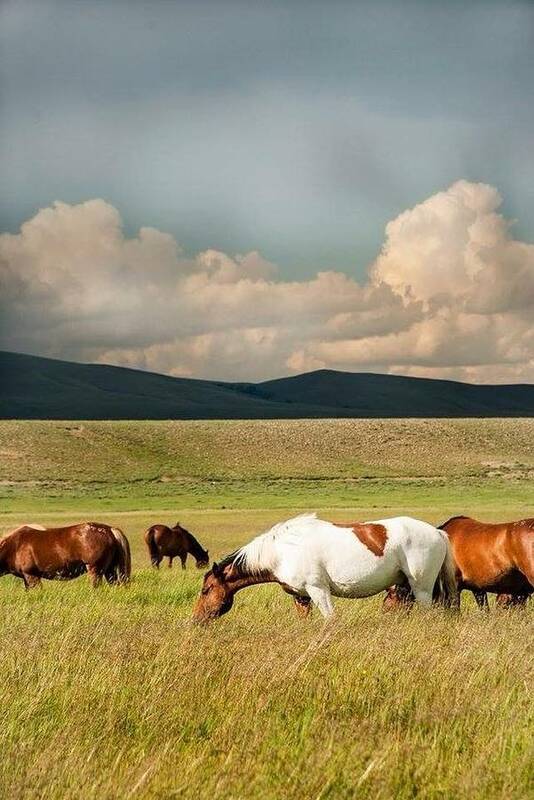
(201, 556)
(203, 561)
(216, 596)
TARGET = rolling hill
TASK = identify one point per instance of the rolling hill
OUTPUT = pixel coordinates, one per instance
(32, 387)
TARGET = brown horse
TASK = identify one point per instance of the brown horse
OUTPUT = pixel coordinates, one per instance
(496, 558)
(32, 553)
(162, 541)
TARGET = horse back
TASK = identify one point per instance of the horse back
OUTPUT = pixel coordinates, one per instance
(489, 555)
(166, 539)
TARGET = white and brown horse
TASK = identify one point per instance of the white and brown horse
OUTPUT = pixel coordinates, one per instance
(314, 560)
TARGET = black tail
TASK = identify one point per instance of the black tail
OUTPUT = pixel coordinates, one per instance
(153, 551)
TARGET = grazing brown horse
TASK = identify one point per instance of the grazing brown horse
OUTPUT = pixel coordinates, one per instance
(163, 541)
(496, 558)
(34, 552)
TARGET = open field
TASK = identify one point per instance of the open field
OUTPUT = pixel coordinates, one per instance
(113, 694)
(375, 464)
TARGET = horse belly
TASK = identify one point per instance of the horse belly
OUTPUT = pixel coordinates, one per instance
(485, 572)
(365, 576)
(367, 584)
(64, 572)
(511, 582)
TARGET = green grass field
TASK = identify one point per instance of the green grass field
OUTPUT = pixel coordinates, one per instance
(113, 694)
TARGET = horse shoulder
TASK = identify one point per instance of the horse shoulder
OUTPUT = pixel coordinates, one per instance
(520, 540)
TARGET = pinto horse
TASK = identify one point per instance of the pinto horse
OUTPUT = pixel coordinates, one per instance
(162, 541)
(33, 552)
(495, 558)
(313, 559)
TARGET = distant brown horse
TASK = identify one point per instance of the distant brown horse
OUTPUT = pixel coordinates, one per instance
(33, 552)
(162, 541)
(496, 558)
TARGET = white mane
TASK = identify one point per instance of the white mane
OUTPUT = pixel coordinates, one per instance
(260, 554)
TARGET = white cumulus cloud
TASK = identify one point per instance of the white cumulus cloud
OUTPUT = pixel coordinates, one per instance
(451, 294)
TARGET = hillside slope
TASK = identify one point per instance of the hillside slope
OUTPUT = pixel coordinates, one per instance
(32, 387)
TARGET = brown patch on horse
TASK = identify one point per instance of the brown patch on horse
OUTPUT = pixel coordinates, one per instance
(371, 534)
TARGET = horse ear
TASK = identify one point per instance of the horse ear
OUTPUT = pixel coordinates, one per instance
(217, 571)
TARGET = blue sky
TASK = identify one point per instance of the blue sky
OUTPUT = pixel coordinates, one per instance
(295, 128)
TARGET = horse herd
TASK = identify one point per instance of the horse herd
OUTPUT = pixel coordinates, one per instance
(312, 559)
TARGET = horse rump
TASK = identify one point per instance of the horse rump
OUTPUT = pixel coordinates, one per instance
(153, 550)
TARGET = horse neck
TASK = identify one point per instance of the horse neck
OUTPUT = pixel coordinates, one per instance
(242, 579)
(194, 546)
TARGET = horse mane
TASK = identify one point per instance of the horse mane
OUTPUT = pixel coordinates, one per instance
(228, 560)
(259, 555)
(452, 519)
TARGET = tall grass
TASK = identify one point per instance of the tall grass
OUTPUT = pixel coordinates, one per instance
(112, 693)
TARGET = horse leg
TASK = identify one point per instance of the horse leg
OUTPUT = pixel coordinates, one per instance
(111, 576)
(30, 581)
(423, 595)
(422, 569)
(482, 600)
(422, 588)
(95, 575)
(170, 561)
(398, 598)
(183, 559)
(511, 600)
(303, 606)
(322, 599)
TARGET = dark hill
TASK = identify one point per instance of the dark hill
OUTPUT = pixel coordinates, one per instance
(32, 387)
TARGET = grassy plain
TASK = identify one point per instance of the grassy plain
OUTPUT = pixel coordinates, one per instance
(113, 694)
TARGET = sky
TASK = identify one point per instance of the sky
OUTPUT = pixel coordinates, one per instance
(243, 190)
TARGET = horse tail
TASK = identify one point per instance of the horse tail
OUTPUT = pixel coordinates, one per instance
(447, 586)
(124, 557)
(152, 547)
